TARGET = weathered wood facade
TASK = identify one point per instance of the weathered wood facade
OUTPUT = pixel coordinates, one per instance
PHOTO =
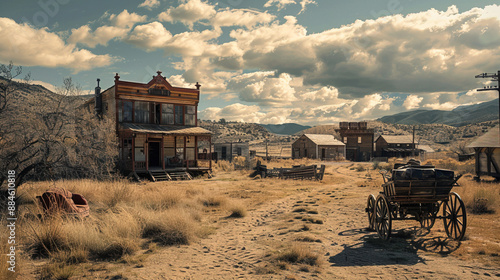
(358, 139)
(395, 146)
(156, 125)
(487, 153)
(318, 146)
(228, 151)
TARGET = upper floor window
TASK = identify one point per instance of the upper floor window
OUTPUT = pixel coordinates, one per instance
(124, 111)
(141, 110)
(345, 139)
(179, 114)
(190, 116)
(167, 114)
(359, 139)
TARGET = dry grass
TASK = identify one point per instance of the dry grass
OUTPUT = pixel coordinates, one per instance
(57, 271)
(237, 211)
(298, 254)
(479, 197)
(124, 217)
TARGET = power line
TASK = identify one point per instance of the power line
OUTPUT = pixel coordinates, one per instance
(494, 78)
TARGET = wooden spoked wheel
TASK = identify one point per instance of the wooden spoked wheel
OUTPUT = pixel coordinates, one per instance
(454, 217)
(370, 209)
(427, 219)
(383, 220)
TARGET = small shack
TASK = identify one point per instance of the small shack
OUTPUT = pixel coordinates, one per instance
(228, 151)
(395, 146)
(318, 146)
(487, 153)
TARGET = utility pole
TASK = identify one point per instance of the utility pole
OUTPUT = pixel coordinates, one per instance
(413, 143)
(494, 77)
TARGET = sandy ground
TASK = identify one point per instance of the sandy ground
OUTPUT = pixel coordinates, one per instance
(334, 217)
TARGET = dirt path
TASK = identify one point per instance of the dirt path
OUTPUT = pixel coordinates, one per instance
(332, 216)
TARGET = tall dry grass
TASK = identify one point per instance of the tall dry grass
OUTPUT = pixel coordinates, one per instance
(479, 197)
(125, 217)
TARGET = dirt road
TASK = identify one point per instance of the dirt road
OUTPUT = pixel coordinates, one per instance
(330, 216)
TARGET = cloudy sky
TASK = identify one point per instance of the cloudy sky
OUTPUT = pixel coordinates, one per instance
(267, 61)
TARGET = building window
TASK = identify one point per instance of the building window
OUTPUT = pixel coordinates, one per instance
(359, 139)
(125, 111)
(190, 117)
(167, 114)
(398, 145)
(141, 112)
(345, 140)
(179, 114)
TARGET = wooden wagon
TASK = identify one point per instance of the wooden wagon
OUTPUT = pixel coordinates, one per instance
(415, 192)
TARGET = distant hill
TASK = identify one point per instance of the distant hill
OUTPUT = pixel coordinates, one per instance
(285, 129)
(463, 115)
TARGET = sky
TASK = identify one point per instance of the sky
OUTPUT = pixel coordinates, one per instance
(266, 61)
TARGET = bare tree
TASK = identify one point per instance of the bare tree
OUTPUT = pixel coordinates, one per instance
(49, 136)
(8, 74)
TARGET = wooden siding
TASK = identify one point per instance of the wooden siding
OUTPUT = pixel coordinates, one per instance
(306, 148)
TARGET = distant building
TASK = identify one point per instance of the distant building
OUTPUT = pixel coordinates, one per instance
(318, 146)
(487, 153)
(395, 146)
(358, 139)
(228, 151)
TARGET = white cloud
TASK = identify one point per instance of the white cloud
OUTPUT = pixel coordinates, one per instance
(304, 3)
(263, 88)
(191, 44)
(27, 46)
(149, 4)
(421, 52)
(121, 25)
(101, 36)
(244, 113)
(281, 4)
(126, 19)
(149, 36)
(412, 102)
(240, 17)
(189, 12)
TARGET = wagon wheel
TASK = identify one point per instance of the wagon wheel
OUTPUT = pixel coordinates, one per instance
(383, 220)
(370, 209)
(454, 217)
(427, 219)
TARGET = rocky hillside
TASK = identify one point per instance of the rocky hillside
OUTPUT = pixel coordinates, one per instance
(241, 132)
(460, 116)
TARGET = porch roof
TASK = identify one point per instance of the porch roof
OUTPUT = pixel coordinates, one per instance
(165, 129)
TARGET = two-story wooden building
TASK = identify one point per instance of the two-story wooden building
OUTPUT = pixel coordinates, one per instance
(358, 139)
(157, 127)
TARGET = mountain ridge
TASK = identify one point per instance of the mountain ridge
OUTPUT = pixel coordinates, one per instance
(460, 116)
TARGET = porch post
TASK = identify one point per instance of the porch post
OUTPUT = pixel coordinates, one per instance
(146, 151)
(133, 153)
(196, 150)
(210, 154)
(162, 152)
(185, 154)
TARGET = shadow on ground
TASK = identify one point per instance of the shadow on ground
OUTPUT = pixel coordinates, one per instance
(402, 248)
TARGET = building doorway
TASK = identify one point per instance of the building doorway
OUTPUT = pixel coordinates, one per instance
(154, 154)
